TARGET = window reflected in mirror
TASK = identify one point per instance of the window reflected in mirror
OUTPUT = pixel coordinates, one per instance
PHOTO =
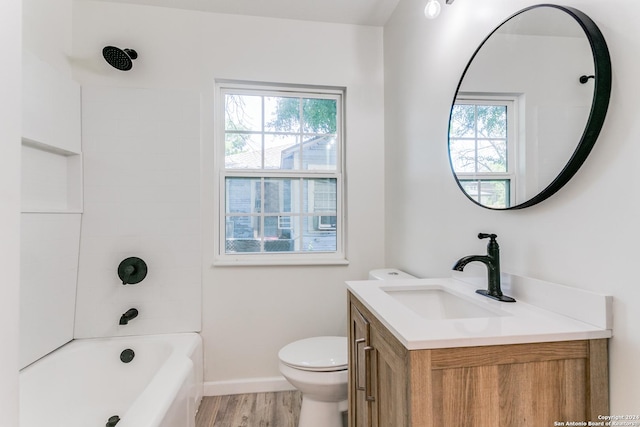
(482, 147)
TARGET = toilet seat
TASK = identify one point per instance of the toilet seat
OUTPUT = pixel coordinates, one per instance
(318, 354)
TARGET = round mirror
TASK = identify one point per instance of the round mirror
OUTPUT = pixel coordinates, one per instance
(529, 107)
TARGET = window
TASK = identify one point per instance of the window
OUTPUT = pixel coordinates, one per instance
(482, 147)
(282, 175)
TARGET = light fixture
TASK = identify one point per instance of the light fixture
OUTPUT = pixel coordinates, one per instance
(432, 9)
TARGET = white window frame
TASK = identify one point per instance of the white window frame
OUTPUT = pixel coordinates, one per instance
(337, 257)
(512, 102)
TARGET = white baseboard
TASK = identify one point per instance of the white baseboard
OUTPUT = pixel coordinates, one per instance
(247, 385)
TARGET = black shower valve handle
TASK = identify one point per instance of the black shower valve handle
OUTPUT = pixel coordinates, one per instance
(128, 271)
(132, 270)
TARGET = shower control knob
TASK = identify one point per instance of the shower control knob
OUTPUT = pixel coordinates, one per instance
(132, 270)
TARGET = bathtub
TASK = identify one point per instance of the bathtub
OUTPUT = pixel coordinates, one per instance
(84, 383)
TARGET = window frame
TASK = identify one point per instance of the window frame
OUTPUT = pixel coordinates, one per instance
(512, 103)
(222, 258)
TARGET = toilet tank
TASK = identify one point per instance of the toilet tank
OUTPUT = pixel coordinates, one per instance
(389, 274)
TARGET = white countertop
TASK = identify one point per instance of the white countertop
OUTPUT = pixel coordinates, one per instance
(587, 315)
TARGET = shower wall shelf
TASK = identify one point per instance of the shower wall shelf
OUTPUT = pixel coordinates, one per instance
(51, 135)
(51, 179)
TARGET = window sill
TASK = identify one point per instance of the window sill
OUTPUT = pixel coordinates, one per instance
(263, 260)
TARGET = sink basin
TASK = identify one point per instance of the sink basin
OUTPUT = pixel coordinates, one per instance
(436, 303)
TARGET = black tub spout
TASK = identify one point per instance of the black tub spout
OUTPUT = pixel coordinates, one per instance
(132, 313)
(113, 421)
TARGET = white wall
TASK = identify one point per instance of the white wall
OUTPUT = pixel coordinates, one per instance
(585, 236)
(249, 313)
(47, 32)
(10, 52)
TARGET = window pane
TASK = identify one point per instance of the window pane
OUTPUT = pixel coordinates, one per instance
(281, 152)
(282, 195)
(241, 234)
(319, 115)
(315, 240)
(242, 195)
(463, 121)
(243, 151)
(471, 188)
(319, 153)
(463, 155)
(320, 196)
(243, 112)
(277, 238)
(282, 114)
(492, 121)
(490, 193)
(492, 155)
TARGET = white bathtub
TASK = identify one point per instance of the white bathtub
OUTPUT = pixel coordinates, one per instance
(84, 383)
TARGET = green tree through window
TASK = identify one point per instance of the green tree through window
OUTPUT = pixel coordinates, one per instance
(480, 150)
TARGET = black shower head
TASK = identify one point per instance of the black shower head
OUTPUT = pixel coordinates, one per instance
(121, 59)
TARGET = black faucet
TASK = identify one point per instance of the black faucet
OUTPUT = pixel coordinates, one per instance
(132, 313)
(492, 261)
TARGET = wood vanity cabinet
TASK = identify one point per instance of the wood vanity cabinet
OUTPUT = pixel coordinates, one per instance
(523, 385)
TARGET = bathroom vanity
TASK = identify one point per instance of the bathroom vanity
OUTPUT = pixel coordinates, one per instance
(431, 352)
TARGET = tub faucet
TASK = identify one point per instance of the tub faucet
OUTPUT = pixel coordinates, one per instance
(492, 261)
(132, 313)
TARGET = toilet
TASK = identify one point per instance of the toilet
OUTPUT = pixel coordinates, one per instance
(317, 367)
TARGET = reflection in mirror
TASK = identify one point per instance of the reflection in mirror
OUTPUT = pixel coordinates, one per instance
(478, 146)
(521, 108)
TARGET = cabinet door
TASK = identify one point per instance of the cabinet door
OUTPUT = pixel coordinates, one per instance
(389, 404)
(359, 370)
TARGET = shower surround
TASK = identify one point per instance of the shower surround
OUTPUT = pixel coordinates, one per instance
(141, 152)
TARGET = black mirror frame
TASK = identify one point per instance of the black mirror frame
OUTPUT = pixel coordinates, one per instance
(599, 106)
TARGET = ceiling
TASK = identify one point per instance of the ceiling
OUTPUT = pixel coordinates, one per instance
(359, 12)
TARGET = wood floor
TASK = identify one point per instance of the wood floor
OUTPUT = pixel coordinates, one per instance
(280, 409)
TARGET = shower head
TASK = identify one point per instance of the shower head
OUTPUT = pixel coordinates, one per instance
(121, 59)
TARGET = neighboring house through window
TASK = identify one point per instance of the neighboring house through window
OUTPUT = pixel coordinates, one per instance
(282, 174)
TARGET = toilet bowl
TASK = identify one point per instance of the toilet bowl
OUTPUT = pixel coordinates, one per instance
(317, 367)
